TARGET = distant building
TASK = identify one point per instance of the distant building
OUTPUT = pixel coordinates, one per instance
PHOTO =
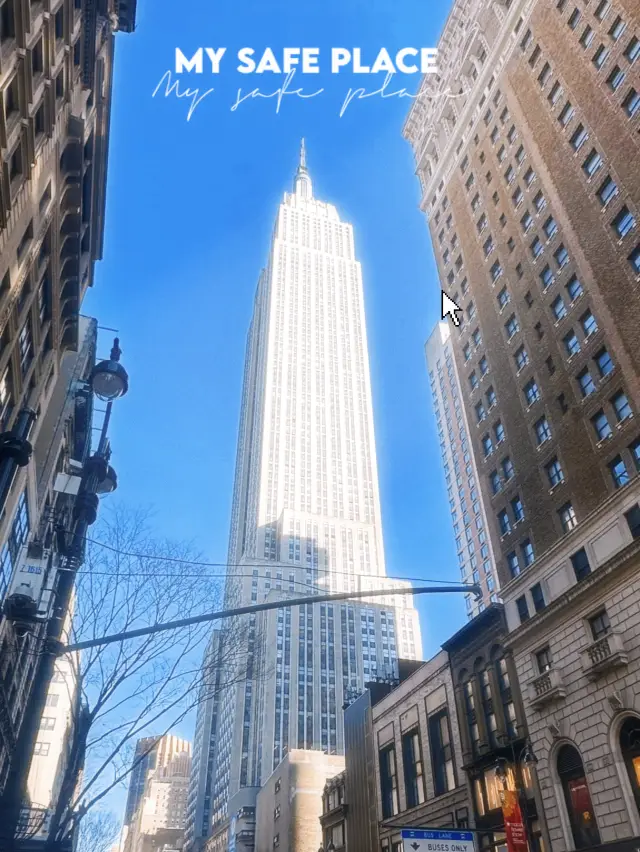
(289, 805)
(305, 518)
(468, 513)
(160, 816)
(334, 813)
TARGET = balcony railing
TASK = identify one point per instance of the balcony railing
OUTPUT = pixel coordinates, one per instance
(545, 688)
(605, 653)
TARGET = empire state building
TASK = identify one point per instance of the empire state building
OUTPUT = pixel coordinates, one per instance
(305, 519)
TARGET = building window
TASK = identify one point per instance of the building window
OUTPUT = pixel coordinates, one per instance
(566, 114)
(47, 723)
(496, 482)
(554, 472)
(537, 596)
(571, 343)
(441, 753)
(634, 449)
(413, 769)
(507, 468)
(600, 625)
(523, 609)
(616, 78)
(633, 50)
(503, 297)
(42, 749)
(550, 227)
(604, 362)
(580, 563)
(600, 56)
(586, 383)
(579, 137)
(567, 517)
(512, 562)
(559, 308)
(632, 518)
(25, 343)
(504, 522)
(546, 277)
(517, 509)
(621, 406)
(536, 248)
(561, 256)
(617, 28)
(388, 782)
(499, 432)
(634, 259)
(608, 190)
(512, 326)
(543, 660)
(531, 392)
(619, 473)
(623, 222)
(528, 555)
(521, 358)
(577, 798)
(487, 446)
(631, 103)
(601, 425)
(592, 163)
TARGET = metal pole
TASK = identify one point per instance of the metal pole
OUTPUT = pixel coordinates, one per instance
(282, 604)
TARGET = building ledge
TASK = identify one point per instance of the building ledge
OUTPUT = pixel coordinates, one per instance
(546, 688)
(604, 654)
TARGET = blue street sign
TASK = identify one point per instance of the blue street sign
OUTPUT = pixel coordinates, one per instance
(421, 840)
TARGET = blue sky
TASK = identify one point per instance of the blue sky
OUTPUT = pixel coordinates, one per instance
(190, 210)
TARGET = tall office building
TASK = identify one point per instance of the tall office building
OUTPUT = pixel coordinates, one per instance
(152, 755)
(159, 820)
(531, 190)
(527, 144)
(473, 545)
(306, 511)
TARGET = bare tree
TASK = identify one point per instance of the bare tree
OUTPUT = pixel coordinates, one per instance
(98, 832)
(140, 687)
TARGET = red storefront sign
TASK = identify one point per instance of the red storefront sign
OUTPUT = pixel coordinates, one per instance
(513, 823)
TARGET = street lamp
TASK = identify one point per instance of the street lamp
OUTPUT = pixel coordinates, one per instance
(109, 381)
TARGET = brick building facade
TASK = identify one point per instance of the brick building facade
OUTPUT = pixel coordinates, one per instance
(527, 155)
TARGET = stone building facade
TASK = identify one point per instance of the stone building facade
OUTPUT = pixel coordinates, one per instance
(56, 59)
(289, 805)
(578, 659)
(404, 768)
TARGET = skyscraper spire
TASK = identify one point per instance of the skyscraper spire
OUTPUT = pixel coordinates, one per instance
(302, 165)
(302, 183)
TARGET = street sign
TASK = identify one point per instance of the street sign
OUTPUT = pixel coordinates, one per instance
(418, 840)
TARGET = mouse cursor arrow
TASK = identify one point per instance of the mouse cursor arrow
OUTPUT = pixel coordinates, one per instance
(449, 308)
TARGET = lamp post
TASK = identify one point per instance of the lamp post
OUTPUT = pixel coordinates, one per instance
(109, 381)
(528, 757)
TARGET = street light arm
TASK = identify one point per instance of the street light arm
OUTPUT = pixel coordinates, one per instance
(263, 607)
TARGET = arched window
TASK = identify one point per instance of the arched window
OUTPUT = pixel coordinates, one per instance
(577, 798)
(630, 747)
